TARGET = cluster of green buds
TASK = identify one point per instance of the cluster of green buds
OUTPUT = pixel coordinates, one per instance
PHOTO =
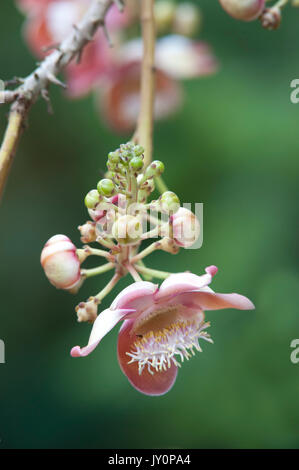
(123, 215)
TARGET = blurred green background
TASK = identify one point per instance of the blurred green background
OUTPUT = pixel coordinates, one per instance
(234, 147)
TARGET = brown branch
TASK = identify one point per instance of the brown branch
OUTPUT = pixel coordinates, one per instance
(38, 81)
(144, 131)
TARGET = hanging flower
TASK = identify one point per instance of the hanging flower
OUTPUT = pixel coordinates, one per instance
(162, 326)
(114, 72)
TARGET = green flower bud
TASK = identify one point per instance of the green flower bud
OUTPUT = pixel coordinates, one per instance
(155, 169)
(136, 164)
(170, 202)
(138, 150)
(92, 199)
(114, 157)
(106, 187)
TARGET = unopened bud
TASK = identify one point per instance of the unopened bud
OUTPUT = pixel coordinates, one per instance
(136, 164)
(127, 230)
(246, 10)
(61, 263)
(106, 187)
(271, 18)
(187, 19)
(169, 202)
(114, 157)
(164, 15)
(92, 199)
(185, 227)
(169, 245)
(138, 150)
(155, 169)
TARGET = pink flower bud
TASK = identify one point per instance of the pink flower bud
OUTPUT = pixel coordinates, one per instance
(61, 263)
(246, 10)
(185, 227)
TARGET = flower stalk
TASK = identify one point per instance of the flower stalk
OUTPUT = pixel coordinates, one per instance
(144, 131)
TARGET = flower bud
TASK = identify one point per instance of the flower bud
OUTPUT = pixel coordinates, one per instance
(271, 18)
(170, 202)
(106, 187)
(87, 311)
(185, 227)
(114, 157)
(92, 199)
(155, 169)
(136, 164)
(88, 233)
(187, 19)
(168, 245)
(127, 230)
(61, 263)
(246, 10)
(138, 150)
(164, 15)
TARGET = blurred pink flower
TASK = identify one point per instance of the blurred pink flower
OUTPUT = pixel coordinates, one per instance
(161, 326)
(177, 58)
(115, 72)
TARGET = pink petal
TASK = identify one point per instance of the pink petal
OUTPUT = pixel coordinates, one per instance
(37, 34)
(116, 19)
(95, 63)
(209, 300)
(157, 384)
(120, 101)
(135, 296)
(32, 5)
(182, 282)
(103, 324)
(181, 58)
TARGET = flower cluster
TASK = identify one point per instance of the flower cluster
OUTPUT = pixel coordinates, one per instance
(161, 326)
(114, 72)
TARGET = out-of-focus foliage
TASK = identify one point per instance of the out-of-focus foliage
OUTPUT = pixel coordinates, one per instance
(235, 148)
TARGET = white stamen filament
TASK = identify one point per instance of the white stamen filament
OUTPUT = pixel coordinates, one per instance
(159, 350)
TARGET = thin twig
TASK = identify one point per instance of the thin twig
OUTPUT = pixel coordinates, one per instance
(26, 94)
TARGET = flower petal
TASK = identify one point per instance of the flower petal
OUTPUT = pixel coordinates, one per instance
(120, 100)
(182, 282)
(94, 65)
(181, 58)
(139, 295)
(103, 324)
(209, 300)
(32, 5)
(157, 384)
(37, 35)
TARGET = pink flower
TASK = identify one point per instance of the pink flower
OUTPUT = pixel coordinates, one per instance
(61, 263)
(120, 100)
(177, 58)
(49, 22)
(161, 327)
(115, 72)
